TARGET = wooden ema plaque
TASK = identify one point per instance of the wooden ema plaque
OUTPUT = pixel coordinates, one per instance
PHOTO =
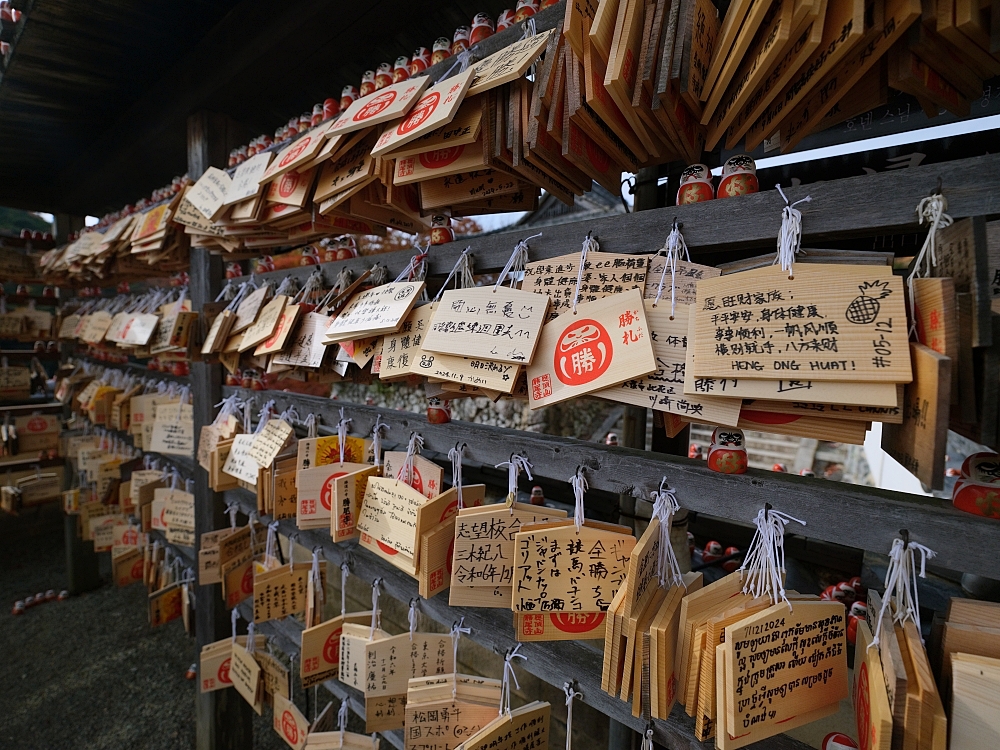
(482, 562)
(576, 351)
(388, 521)
(463, 129)
(663, 390)
(964, 258)
(974, 715)
(327, 487)
(374, 311)
(442, 162)
(441, 710)
(663, 648)
(281, 592)
(828, 392)
(829, 322)
(320, 451)
(604, 274)
(762, 694)
(426, 478)
(208, 195)
(685, 280)
(244, 671)
(320, 656)
(267, 443)
(936, 313)
(400, 350)
(498, 324)
(871, 705)
(389, 103)
(436, 108)
(306, 349)
(508, 64)
(295, 156)
(920, 442)
(560, 569)
(524, 727)
(247, 178)
(215, 660)
(263, 327)
(391, 663)
(289, 723)
(436, 527)
(843, 28)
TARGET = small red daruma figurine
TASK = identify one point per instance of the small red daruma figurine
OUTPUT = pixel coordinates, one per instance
(420, 61)
(460, 40)
(978, 488)
(730, 566)
(441, 231)
(317, 115)
(482, 28)
(401, 70)
(331, 108)
(525, 9)
(505, 20)
(383, 76)
(441, 50)
(712, 552)
(780, 468)
(694, 451)
(739, 177)
(438, 411)
(349, 94)
(839, 740)
(696, 185)
(728, 453)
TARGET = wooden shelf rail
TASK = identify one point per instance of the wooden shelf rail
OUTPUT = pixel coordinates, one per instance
(882, 203)
(851, 515)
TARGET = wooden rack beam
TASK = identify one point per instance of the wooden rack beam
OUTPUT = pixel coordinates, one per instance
(555, 663)
(882, 203)
(851, 515)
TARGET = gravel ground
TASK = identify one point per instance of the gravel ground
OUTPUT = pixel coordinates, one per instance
(89, 673)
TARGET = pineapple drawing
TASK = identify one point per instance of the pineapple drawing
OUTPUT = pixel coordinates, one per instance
(864, 308)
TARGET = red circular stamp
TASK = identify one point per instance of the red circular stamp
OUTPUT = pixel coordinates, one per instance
(424, 109)
(441, 158)
(583, 353)
(376, 106)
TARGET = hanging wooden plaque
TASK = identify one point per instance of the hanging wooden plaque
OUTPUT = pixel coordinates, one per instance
(435, 109)
(920, 442)
(296, 155)
(483, 557)
(576, 351)
(244, 671)
(507, 64)
(603, 274)
(389, 103)
(663, 390)
(247, 178)
(209, 193)
(374, 311)
(426, 478)
(320, 656)
(494, 324)
(289, 723)
(829, 322)
(462, 130)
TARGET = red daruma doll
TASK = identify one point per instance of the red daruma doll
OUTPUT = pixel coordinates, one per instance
(383, 76)
(349, 94)
(978, 488)
(506, 20)
(728, 453)
(441, 50)
(525, 9)
(401, 71)
(331, 108)
(420, 61)
(367, 85)
(441, 231)
(696, 185)
(739, 177)
(482, 28)
(460, 40)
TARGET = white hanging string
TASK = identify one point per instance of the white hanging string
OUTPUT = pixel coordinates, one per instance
(515, 265)
(931, 211)
(515, 465)
(317, 579)
(571, 693)
(342, 433)
(376, 614)
(673, 246)
(462, 60)
(344, 570)
(411, 617)
(235, 616)
(342, 719)
(251, 639)
(379, 274)
(377, 440)
(901, 585)
(310, 424)
(579, 483)
(412, 449)
(647, 740)
(462, 267)
(232, 509)
(508, 675)
(455, 454)
(412, 268)
(765, 561)
(457, 629)
(790, 236)
(664, 506)
(589, 244)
